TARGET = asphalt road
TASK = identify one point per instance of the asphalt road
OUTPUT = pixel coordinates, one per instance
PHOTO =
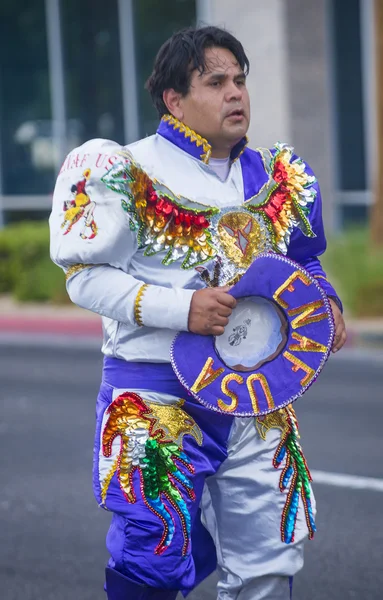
(52, 532)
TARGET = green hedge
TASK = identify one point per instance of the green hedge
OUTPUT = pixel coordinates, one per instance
(26, 270)
(356, 268)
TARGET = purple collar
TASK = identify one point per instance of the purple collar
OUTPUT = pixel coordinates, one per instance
(191, 142)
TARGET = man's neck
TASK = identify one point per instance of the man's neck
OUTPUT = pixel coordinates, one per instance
(220, 153)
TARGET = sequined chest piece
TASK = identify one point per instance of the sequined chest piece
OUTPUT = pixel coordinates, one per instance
(220, 244)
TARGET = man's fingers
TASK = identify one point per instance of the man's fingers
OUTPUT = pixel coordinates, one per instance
(216, 330)
(220, 321)
(340, 339)
(224, 311)
(227, 300)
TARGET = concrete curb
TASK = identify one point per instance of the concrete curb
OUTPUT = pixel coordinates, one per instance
(87, 327)
(93, 344)
(51, 325)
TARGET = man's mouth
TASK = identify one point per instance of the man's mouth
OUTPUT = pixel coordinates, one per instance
(238, 112)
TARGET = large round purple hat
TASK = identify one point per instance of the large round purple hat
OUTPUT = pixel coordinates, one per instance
(277, 341)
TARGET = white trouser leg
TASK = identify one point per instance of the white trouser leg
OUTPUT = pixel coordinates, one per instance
(242, 507)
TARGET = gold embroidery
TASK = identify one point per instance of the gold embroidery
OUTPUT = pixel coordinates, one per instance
(76, 269)
(306, 344)
(288, 286)
(299, 364)
(108, 479)
(174, 423)
(207, 376)
(304, 313)
(241, 238)
(266, 390)
(137, 304)
(274, 420)
(194, 137)
(232, 395)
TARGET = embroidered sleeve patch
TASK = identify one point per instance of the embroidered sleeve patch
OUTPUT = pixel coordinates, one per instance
(80, 208)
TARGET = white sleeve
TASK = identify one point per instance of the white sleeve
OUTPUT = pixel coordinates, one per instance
(93, 242)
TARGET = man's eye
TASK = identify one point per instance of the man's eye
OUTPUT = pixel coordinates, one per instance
(215, 83)
(241, 82)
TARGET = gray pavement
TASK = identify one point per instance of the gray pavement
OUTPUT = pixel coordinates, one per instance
(52, 533)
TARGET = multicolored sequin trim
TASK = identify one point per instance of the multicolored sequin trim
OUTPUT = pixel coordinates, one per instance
(151, 437)
(233, 236)
(162, 223)
(289, 196)
(295, 475)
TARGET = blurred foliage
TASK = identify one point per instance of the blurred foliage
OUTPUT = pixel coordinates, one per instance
(26, 270)
(356, 269)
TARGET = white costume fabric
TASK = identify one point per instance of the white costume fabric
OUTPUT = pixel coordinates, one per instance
(128, 261)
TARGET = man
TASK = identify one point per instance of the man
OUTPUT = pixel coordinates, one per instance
(177, 476)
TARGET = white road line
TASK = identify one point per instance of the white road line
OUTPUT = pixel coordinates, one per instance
(347, 481)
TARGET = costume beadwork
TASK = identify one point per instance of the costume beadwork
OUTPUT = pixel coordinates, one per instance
(157, 225)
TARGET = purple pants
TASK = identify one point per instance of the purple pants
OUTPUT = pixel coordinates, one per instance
(151, 460)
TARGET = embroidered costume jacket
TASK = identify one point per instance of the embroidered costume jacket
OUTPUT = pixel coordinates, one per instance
(137, 229)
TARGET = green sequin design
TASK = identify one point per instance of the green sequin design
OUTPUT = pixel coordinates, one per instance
(119, 179)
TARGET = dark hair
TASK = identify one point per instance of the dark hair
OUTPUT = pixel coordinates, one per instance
(184, 52)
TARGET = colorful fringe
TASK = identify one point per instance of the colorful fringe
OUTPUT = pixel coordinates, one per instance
(296, 476)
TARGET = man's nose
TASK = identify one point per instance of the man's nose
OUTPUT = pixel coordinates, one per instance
(233, 92)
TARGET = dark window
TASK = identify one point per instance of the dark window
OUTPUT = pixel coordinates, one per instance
(155, 22)
(25, 126)
(91, 50)
(349, 94)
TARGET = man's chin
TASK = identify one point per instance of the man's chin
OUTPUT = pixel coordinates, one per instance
(236, 134)
(238, 129)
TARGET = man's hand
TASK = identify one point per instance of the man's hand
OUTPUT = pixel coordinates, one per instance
(340, 328)
(210, 310)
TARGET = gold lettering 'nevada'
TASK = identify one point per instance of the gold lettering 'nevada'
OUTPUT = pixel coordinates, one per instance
(228, 387)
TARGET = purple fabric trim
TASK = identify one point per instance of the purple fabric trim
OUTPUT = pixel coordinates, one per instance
(314, 267)
(238, 148)
(253, 172)
(291, 580)
(190, 352)
(157, 377)
(120, 587)
(176, 137)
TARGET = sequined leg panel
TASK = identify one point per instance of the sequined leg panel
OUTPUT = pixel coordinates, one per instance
(295, 475)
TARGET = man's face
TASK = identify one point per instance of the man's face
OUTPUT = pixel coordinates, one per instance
(217, 105)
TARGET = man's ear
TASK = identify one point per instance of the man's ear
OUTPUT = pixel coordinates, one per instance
(172, 100)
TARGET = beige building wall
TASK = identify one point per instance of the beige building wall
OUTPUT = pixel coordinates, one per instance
(311, 96)
(287, 42)
(259, 25)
